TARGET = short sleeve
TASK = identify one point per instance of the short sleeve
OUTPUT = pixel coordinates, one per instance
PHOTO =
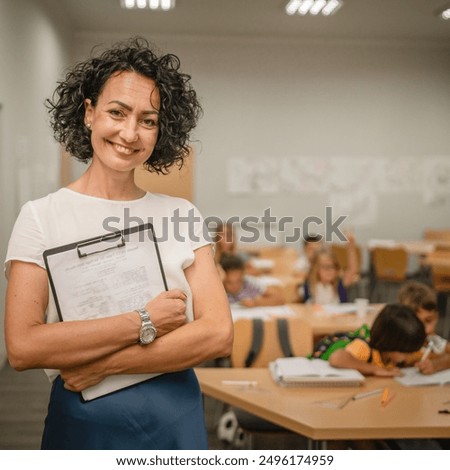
(198, 231)
(359, 349)
(27, 240)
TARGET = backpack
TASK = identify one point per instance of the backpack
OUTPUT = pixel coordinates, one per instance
(330, 343)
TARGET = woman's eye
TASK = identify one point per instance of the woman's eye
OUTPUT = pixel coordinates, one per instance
(149, 123)
(116, 113)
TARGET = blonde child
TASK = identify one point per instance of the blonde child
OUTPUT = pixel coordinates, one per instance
(394, 335)
(241, 290)
(326, 284)
(423, 301)
(311, 245)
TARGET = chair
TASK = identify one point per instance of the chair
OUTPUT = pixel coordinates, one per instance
(436, 235)
(253, 350)
(389, 266)
(359, 287)
(340, 250)
(440, 278)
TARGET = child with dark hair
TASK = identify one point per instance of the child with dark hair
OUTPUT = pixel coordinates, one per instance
(422, 300)
(241, 290)
(394, 335)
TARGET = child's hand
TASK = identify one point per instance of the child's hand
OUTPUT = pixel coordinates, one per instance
(425, 367)
(248, 302)
(382, 372)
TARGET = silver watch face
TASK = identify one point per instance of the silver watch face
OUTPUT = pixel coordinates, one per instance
(148, 334)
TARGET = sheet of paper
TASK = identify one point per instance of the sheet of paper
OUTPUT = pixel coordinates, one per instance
(413, 378)
(238, 311)
(107, 283)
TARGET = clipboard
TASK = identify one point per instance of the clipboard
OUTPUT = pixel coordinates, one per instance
(104, 276)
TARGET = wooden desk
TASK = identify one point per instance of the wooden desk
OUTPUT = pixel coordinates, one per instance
(413, 413)
(324, 323)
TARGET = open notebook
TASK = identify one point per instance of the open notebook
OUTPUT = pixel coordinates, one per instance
(304, 372)
(413, 378)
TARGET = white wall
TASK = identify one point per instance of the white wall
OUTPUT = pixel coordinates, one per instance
(33, 53)
(273, 98)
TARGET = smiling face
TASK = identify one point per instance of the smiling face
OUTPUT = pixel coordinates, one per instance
(124, 122)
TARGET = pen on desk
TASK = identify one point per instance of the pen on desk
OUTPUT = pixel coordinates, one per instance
(371, 393)
(245, 383)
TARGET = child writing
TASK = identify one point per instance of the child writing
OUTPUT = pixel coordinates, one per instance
(395, 333)
(241, 290)
(326, 284)
(423, 301)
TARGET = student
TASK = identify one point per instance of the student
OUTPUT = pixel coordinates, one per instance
(224, 241)
(311, 245)
(423, 301)
(395, 333)
(326, 284)
(241, 290)
(124, 108)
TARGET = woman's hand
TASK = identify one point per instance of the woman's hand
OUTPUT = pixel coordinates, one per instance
(77, 379)
(168, 310)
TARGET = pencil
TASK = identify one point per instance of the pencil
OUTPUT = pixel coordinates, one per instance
(426, 352)
(385, 396)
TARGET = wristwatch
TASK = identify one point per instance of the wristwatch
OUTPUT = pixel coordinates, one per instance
(148, 331)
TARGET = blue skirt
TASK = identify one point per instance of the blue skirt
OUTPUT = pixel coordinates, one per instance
(163, 413)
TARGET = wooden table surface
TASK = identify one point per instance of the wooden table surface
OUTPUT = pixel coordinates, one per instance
(413, 413)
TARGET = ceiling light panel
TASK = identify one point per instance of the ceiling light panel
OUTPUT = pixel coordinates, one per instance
(313, 7)
(163, 5)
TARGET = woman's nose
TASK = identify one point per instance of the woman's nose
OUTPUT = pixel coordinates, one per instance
(129, 130)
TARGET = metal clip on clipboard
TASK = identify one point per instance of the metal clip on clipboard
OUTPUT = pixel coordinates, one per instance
(94, 246)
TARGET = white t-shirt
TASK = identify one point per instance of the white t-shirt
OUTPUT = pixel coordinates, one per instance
(66, 216)
(325, 294)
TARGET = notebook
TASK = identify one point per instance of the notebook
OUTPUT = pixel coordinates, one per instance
(304, 372)
(413, 378)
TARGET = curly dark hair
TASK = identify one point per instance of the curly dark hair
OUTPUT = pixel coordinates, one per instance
(397, 328)
(178, 115)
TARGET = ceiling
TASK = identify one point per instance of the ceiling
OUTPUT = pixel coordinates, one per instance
(412, 20)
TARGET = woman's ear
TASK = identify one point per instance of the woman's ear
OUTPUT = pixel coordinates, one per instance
(88, 111)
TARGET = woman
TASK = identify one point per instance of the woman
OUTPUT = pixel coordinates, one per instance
(122, 109)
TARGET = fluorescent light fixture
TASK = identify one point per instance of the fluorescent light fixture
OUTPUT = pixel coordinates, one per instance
(313, 7)
(331, 7)
(292, 7)
(445, 15)
(305, 6)
(163, 5)
(318, 5)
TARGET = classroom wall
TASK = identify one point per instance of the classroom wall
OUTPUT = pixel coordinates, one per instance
(33, 52)
(353, 107)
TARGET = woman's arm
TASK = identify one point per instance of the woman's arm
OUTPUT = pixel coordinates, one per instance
(31, 343)
(343, 359)
(209, 336)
